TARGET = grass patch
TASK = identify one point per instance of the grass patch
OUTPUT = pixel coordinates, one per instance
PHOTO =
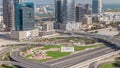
(57, 54)
(29, 55)
(42, 60)
(79, 48)
(107, 65)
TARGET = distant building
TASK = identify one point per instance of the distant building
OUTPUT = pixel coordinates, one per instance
(109, 17)
(8, 14)
(88, 9)
(25, 19)
(97, 6)
(80, 11)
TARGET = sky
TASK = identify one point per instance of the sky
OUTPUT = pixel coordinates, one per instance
(78, 1)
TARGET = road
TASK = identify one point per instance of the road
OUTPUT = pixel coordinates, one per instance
(15, 55)
(16, 63)
(71, 60)
(75, 55)
(78, 59)
(4, 50)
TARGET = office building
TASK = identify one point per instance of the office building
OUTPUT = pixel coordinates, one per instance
(97, 6)
(65, 14)
(65, 11)
(80, 11)
(88, 9)
(8, 14)
(25, 19)
(58, 11)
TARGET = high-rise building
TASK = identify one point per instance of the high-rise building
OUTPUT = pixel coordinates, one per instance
(16, 16)
(97, 6)
(58, 11)
(65, 15)
(79, 12)
(25, 19)
(8, 14)
(65, 11)
(88, 9)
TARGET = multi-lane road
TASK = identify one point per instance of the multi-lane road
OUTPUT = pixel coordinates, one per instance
(70, 60)
(78, 58)
(16, 56)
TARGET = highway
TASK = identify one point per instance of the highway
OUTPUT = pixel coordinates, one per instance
(78, 59)
(70, 60)
(15, 55)
(75, 55)
(16, 63)
(4, 50)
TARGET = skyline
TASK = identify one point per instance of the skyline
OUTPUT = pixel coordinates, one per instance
(77, 1)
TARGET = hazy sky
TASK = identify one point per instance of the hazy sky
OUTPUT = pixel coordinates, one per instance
(78, 1)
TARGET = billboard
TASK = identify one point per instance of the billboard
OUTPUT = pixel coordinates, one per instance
(67, 49)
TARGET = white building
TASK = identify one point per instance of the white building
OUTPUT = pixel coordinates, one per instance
(109, 17)
(70, 26)
(46, 29)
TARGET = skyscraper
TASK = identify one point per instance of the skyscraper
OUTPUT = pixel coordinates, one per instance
(8, 14)
(16, 16)
(79, 12)
(65, 11)
(65, 15)
(25, 19)
(58, 11)
(97, 6)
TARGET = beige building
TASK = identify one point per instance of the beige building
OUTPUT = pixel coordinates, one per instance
(86, 20)
(24, 35)
(47, 29)
(1, 19)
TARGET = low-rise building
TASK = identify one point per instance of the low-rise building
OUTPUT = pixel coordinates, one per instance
(24, 35)
(46, 29)
(86, 20)
(109, 17)
(70, 26)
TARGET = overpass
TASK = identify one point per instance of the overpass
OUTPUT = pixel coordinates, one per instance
(70, 60)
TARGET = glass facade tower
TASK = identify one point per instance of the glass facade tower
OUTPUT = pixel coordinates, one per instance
(65, 11)
(25, 19)
(97, 6)
(8, 14)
